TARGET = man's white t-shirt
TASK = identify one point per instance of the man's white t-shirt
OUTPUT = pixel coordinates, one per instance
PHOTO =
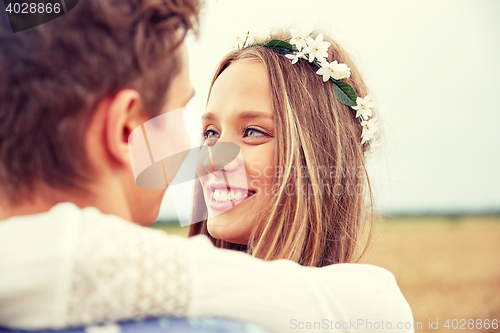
(74, 267)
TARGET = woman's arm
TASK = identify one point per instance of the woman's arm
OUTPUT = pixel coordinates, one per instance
(124, 271)
(283, 296)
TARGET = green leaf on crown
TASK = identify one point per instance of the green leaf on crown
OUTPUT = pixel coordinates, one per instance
(280, 43)
(344, 93)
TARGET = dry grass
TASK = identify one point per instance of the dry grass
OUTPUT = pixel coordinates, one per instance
(447, 268)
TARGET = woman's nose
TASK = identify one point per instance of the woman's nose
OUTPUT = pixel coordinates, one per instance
(220, 155)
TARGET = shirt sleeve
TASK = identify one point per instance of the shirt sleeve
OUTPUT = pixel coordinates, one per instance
(283, 296)
(123, 271)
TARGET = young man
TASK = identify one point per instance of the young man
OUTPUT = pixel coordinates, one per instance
(71, 92)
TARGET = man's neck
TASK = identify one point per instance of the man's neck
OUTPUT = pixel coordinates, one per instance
(45, 198)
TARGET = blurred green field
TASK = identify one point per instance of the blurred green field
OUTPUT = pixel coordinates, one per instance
(173, 229)
(448, 267)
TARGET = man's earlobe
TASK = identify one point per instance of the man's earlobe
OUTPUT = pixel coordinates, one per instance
(124, 115)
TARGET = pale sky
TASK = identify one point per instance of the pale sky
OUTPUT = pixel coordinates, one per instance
(434, 69)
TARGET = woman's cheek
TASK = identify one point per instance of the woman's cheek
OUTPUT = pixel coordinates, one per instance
(255, 169)
(268, 172)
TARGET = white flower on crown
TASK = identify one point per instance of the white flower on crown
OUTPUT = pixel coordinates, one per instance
(299, 38)
(369, 129)
(364, 107)
(334, 70)
(244, 39)
(371, 147)
(237, 42)
(316, 48)
(295, 56)
(261, 35)
(249, 37)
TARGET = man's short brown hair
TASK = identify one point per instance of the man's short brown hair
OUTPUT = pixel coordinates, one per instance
(53, 76)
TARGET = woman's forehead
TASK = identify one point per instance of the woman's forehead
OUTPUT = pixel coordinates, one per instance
(243, 86)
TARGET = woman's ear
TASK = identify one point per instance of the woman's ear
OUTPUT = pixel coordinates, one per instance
(124, 115)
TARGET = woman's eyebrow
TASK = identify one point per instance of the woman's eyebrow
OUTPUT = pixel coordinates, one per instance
(255, 114)
(208, 116)
(241, 115)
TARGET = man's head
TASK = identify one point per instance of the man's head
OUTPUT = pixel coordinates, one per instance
(71, 91)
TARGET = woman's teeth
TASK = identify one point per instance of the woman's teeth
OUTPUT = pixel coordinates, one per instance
(224, 196)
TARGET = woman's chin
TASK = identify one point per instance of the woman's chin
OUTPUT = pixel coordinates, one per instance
(225, 228)
(218, 227)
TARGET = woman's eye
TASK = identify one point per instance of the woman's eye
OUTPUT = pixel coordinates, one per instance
(210, 134)
(252, 132)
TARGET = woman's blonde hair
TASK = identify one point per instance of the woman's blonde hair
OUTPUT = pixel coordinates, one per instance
(323, 198)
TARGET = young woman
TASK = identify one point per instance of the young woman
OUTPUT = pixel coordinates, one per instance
(297, 108)
(308, 194)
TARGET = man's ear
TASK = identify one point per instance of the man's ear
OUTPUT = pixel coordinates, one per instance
(124, 115)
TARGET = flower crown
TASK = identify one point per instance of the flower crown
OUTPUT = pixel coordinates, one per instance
(301, 46)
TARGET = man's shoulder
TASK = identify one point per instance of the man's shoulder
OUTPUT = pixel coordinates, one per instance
(362, 272)
(369, 292)
(64, 228)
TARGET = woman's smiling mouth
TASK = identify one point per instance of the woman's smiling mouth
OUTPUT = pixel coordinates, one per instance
(224, 199)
